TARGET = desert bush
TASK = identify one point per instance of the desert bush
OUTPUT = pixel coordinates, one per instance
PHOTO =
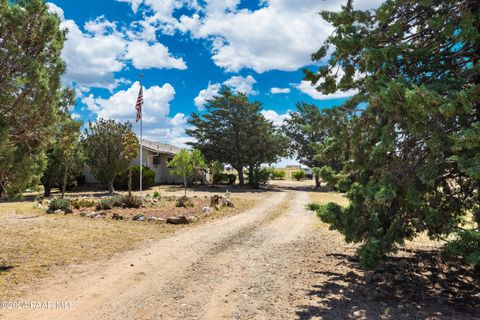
(104, 204)
(224, 178)
(184, 202)
(156, 195)
(277, 174)
(59, 204)
(299, 175)
(78, 203)
(261, 175)
(313, 206)
(148, 178)
(132, 201)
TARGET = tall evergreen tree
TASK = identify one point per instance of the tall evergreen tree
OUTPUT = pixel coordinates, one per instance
(415, 147)
(31, 94)
(314, 136)
(104, 145)
(233, 131)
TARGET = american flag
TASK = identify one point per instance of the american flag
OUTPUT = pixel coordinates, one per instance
(139, 104)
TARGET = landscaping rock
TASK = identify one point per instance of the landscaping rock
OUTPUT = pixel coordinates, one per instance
(82, 214)
(91, 215)
(138, 217)
(68, 211)
(58, 211)
(192, 218)
(155, 219)
(116, 216)
(178, 220)
(207, 210)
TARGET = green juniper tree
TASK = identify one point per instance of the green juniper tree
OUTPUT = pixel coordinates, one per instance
(104, 149)
(314, 136)
(234, 131)
(31, 94)
(414, 150)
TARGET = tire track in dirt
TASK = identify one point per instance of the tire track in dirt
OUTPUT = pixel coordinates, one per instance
(135, 281)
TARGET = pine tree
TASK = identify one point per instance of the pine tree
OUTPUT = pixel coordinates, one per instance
(415, 148)
(31, 94)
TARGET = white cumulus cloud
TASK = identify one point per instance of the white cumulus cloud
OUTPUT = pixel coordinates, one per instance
(158, 124)
(237, 83)
(307, 88)
(275, 90)
(278, 35)
(275, 117)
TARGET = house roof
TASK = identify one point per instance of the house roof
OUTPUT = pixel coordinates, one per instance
(160, 147)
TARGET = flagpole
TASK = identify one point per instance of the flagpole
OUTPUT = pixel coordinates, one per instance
(141, 136)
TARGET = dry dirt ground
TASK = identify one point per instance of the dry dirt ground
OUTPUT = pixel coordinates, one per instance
(274, 261)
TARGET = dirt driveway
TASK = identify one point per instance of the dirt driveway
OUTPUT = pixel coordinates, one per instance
(275, 261)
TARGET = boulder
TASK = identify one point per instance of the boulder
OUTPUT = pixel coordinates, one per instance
(138, 217)
(116, 216)
(91, 214)
(178, 220)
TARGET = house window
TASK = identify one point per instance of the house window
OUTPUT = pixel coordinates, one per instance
(157, 160)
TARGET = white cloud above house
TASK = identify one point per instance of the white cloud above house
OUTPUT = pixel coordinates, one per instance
(147, 56)
(275, 90)
(158, 123)
(95, 54)
(279, 35)
(237, 83)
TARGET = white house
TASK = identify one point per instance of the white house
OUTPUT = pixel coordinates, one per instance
(156, 156)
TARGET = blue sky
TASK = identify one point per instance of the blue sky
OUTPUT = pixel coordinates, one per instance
(186, 49)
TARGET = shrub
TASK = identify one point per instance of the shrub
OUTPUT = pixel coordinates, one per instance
(58, 204)
(261, 175)
(104, 204)
(156, 195)
(148, 178)
(299, 175)
(231, 178)
(224, 178)
(466, 246)
(277, 174)
(184, 202)
(78, 203)
(313, 206)
(132, 201)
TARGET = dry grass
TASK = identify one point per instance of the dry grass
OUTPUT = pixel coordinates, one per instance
(33, 245)
(326, 197)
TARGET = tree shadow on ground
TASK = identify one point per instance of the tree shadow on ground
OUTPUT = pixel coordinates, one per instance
(420, 286)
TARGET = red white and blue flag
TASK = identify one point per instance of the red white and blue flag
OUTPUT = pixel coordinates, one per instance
(139, 104)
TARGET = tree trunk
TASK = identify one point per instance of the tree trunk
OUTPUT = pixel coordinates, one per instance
(64, 184)
(241, 180)
(185, 183)
(130, 181)
(251, 176)
(111, 190)
(317, 181)
(47, 190)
